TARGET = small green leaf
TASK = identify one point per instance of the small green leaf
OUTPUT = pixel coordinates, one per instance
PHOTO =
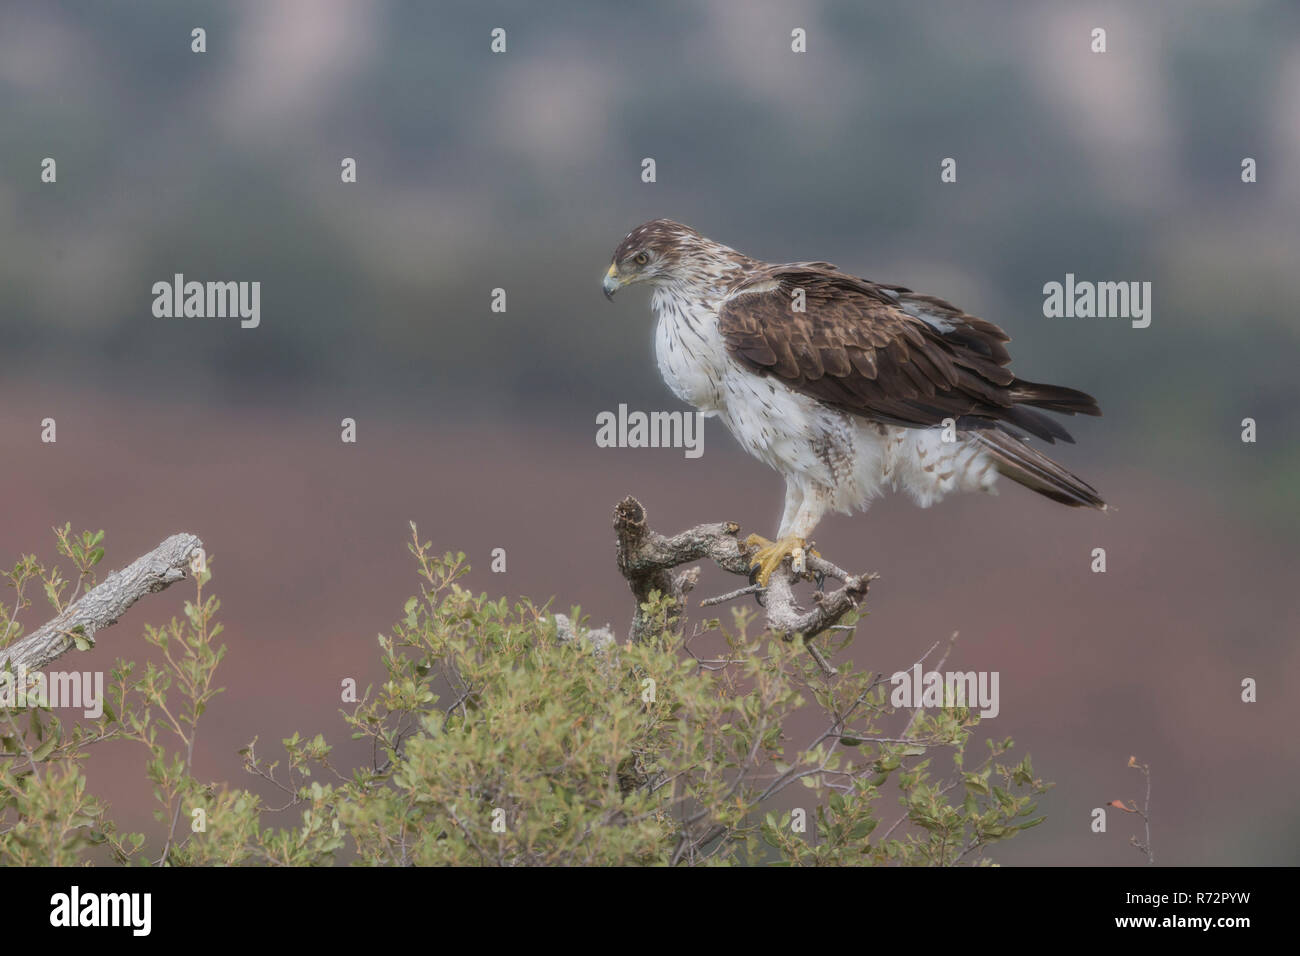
(863, 829)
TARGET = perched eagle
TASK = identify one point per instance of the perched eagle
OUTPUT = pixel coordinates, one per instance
(843, 385)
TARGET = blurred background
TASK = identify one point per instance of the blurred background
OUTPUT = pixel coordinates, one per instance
(522, 170)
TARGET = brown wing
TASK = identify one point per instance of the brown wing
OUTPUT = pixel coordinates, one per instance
(885, 352)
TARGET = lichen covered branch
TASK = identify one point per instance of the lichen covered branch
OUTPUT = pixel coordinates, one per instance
(649, 561)
(103, 604)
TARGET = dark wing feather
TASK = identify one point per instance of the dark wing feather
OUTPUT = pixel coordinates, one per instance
(886, 353)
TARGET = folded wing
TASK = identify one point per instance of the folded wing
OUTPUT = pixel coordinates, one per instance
(886, 353)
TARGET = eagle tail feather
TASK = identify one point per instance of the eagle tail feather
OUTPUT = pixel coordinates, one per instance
(1027, 466)
(1036, 424)
(1054, 398)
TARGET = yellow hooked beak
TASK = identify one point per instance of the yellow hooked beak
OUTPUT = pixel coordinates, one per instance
(611, 283)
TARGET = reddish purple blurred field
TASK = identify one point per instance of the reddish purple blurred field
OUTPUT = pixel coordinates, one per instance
(309, 541)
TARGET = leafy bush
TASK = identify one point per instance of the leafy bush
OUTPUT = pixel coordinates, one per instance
(502, 738)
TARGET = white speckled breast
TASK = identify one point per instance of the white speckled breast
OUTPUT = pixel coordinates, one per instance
(691, 354)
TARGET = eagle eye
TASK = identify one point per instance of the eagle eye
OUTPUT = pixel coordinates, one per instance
(641, 258)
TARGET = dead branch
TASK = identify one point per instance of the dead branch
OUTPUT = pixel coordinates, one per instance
(602, 639)
(1144, 812)
(648, 561)
(103, 604)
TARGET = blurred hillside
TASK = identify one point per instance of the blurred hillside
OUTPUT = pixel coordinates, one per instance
(521, 170)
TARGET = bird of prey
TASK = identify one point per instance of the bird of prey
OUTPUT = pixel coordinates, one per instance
(843, 385)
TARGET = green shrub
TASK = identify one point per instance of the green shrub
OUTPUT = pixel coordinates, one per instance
(500, 738)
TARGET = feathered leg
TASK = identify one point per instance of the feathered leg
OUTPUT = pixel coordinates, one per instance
(802, 512)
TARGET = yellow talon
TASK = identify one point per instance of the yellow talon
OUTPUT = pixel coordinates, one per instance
(768, 555)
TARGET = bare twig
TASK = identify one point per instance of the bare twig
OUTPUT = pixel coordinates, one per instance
(731, 595)
(827, 669)
(1144, 812)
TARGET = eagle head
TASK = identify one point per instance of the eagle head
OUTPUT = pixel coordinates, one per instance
(653, 251)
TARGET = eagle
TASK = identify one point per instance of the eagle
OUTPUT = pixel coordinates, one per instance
(843, 385)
